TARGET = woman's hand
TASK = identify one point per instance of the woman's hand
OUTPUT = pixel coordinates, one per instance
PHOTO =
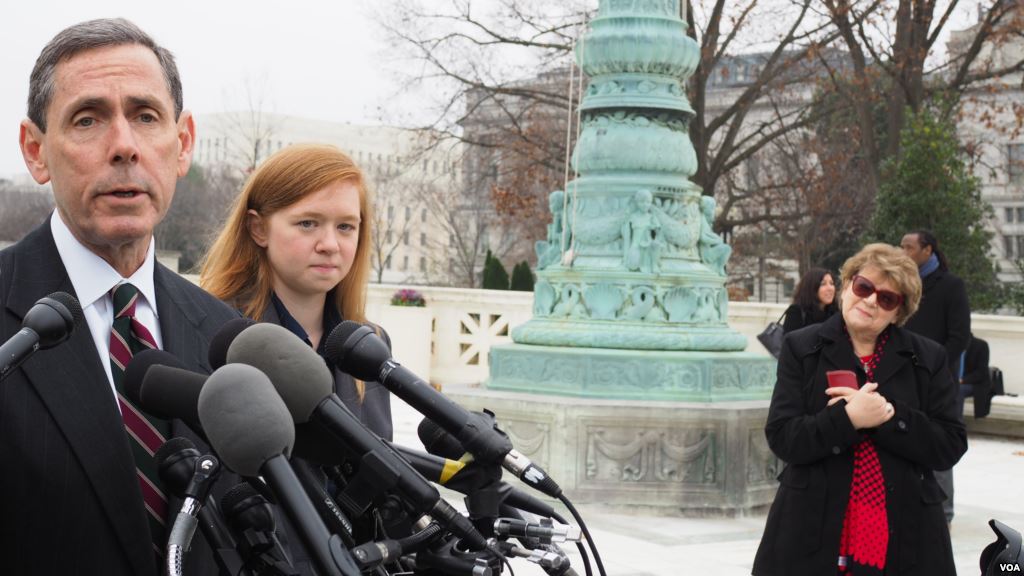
(866, 408)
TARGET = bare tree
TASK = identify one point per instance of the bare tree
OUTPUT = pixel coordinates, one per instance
(890, 45)
(250, 131)
(201, 202)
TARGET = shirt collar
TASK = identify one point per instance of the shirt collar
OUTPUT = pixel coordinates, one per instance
(331, 319)
(91, 276)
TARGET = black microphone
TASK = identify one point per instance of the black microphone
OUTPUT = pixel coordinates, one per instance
(159, 383)
(176, 463)
(250, 427)
(467, 477)
(306, 385)
(49, 321)
(221, 341)
(252, 518)
(358, 351)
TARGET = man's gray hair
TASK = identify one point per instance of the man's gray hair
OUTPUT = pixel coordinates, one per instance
(87, 36)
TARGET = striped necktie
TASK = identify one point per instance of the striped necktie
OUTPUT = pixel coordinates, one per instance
(145, 434)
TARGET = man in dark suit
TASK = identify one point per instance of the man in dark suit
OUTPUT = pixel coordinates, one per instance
(107, 130)
(944, 316)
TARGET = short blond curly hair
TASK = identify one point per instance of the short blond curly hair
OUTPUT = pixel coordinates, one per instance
(898, 269)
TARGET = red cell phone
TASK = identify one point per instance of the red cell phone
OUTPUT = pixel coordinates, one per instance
(842, 379)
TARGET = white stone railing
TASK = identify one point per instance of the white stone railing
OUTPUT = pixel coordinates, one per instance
(466, 323)
(448, 341)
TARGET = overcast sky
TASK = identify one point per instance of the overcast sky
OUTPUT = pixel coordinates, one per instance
(321, 59)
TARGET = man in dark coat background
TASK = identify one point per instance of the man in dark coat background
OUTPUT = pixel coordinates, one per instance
(107, 130)
(944, 316)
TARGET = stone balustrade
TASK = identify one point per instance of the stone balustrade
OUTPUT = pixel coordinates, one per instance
(466, 323)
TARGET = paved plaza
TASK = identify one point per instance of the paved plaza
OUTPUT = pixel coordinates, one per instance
(989, 484)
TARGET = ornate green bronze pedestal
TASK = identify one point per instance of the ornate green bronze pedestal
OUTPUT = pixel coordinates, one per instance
(646, 395)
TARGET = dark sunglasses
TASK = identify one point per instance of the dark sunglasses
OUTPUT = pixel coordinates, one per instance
(887, 300)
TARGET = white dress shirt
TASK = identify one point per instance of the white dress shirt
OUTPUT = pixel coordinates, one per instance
(93, 279)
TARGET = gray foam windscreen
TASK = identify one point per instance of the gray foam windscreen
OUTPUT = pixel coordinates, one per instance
(245, 420)
(300, 375)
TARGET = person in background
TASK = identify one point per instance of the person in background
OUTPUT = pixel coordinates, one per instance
(813, 300)
(945, 316)
(295, 251)
(106, 128)
(858, 494)
(975, 377)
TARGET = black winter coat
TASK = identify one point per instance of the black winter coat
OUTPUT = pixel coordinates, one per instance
(944, 315)
(817, 444)
(798, 317)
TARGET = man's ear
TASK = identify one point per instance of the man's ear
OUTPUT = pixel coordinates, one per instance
(32, 141)
(257, 228)
(186, 141)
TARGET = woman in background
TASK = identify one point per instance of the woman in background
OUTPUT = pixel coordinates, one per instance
(813, 300)
(296, 252)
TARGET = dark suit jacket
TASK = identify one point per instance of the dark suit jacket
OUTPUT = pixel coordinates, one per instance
(978, 375)
(944, 315)
(817, 444)
(71, 501)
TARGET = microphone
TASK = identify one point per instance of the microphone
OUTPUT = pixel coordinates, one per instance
(176, 464)
(184, 528)
(49, 321)
(545, 531)
(222, 340)
(234, 399)
(252, 518)
(306, 386)
(467, 477)
(358, 351)
(159, 383)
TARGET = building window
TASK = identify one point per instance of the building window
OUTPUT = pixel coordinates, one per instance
(1015, 163)
(423, 264)
(1013, 246)
(408, 213)
(423, 239)
(388, 240)
(405, 237)
(423, 215)
(387, 263)
(1009, 215)
(405, 263)
(1020, 214)
(391, 212)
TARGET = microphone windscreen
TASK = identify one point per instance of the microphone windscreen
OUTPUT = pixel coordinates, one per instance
(175, 462)
(170, 447)
(139, 365)
(71, 303)
(438, 442)
(244, 507)
(300, 375)
(357, 350)
(244, 418)
(221, 341)
(171, 392)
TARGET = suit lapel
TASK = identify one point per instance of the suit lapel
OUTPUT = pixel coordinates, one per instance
(180, 321)
(73, 385)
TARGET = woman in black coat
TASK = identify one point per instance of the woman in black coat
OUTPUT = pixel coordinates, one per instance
(858, 495)
(813, 300)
